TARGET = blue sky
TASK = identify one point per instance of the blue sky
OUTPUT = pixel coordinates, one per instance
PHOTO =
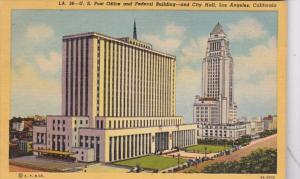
(36, 53)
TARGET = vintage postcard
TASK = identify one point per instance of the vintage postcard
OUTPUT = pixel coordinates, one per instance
(166, 89)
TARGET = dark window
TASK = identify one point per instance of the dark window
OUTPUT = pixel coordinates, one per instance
(87, 74)
(80, 121)
(80, 141)
(63, 121)
(86, 141)
(71, 78)
(110, 149)
(102, 125)
(86, 121)
(53, 121)
(66, 75)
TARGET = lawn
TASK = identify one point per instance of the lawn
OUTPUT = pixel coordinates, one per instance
(200, 148)
(152, 162)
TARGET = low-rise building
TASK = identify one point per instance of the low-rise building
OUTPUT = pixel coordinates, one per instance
(20, 124)
(257, 126)
(270, 122)
(24, 146)
(222, 132)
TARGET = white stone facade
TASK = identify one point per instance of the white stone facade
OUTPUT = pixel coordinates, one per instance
(227, 132)
(216, 106)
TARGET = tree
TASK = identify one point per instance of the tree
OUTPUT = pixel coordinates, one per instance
(259, 161)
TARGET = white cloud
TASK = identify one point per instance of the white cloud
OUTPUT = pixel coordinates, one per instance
(35, 86)
(165, 44)
(170, 41)
(188, 83)
(31, 94)
(248, 28)
(262, 59)
(255, 77)
(38, 32)
(188, 79)
(51, 64)
(174, 30)
(194, 52)
(189, 75)
(263, 91)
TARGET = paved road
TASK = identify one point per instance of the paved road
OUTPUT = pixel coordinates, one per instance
(267, 142)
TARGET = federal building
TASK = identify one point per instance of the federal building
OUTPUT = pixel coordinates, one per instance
(118, 102)
(215, 110)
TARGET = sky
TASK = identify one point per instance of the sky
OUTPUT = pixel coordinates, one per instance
(37, 42)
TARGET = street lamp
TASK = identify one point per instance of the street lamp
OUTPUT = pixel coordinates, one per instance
(178, 155)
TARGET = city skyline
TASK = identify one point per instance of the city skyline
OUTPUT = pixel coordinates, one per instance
(40, 58)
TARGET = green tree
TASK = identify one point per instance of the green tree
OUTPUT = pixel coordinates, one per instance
(259, 161)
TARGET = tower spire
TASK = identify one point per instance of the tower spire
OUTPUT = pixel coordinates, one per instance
(218, 29)
(134, 31)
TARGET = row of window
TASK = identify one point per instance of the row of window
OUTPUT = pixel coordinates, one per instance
(202, 108)
(117, 124)
(76, 76)
(214, 46)
(215, 54)
(215, 127)
(64, 122)
(88, 141)
(40, 137)
(216, 131)
(58, 121)
(206, 134)
(121, 59)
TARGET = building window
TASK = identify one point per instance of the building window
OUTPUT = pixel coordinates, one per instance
(53, 121)
(80, 121)
(63, 128)
(58, 121)
(86, 122)
(75, 129)
(101, 124)
(63, 122)
(86, 141)
(80, 141)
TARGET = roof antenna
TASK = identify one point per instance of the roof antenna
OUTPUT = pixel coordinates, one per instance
(134, 31)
